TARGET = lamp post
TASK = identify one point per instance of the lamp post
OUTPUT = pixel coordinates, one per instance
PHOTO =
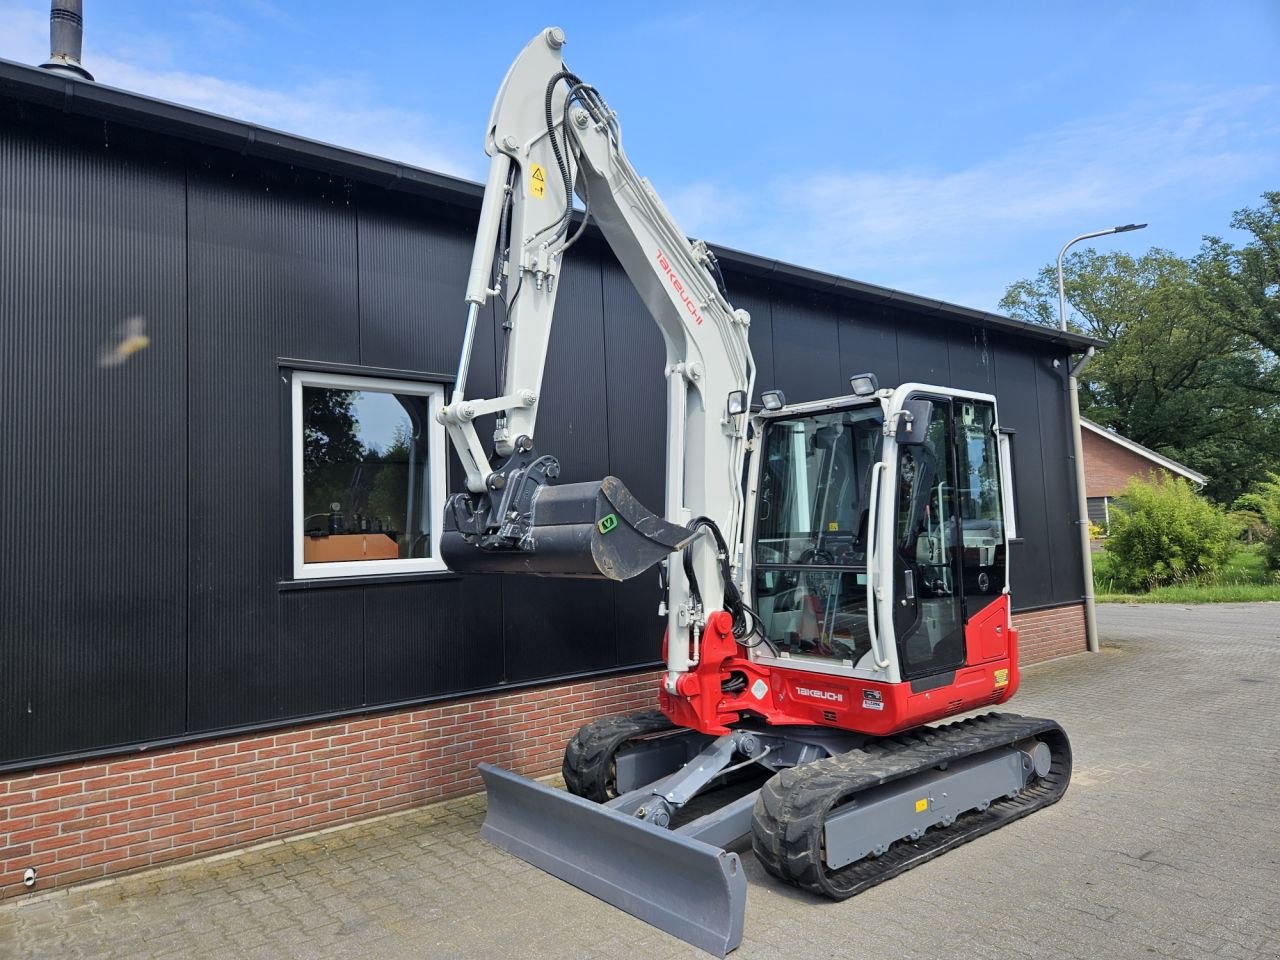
(1062, 297)
(1073, 388)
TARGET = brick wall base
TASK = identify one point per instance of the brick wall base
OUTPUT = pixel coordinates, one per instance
(85, 821)
(1048, 634)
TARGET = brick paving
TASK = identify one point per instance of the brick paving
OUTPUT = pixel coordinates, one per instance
(1164, 846)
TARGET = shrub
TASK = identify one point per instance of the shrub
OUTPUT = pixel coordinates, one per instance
(1163, 533)
(1263, 502)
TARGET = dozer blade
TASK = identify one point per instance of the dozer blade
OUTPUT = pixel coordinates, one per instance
(688, 888)
(594, 530)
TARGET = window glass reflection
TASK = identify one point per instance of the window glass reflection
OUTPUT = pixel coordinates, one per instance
(364, 463)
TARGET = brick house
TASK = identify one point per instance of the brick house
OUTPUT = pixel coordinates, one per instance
(1112, 460)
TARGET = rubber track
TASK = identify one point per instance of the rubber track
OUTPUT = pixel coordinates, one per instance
(791, 809)
(588, 758)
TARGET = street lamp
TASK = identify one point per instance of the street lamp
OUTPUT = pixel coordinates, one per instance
(1062, 297)
(1073, 388)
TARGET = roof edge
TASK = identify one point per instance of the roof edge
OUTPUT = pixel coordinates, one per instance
(1133, 446)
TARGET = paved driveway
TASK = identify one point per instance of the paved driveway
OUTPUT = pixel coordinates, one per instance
(1166, 845)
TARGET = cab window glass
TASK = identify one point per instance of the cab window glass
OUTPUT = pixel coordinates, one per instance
(811, 528)
(981, 507)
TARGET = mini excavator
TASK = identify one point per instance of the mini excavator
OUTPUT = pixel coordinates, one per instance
(822, 616)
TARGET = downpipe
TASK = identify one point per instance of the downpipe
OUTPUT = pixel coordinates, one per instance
(1082, 505)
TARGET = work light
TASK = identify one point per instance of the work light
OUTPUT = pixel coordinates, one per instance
(863, 384)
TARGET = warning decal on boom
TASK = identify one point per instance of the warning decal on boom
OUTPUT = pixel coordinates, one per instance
(537, 182)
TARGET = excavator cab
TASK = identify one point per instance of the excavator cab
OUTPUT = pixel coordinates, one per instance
(877, 542)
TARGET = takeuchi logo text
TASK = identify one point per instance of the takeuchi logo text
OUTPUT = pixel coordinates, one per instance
(678, 286)
(820, 694)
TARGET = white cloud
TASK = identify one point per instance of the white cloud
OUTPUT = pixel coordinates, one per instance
(331, 112)
(334, 112)
(702, 209)
(25, 37)
(888, 226)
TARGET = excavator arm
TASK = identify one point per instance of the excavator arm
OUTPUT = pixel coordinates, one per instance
(551, 135)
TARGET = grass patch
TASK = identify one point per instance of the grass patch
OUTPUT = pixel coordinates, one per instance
(1195, 593)
(1244, 579)
(1248, 564)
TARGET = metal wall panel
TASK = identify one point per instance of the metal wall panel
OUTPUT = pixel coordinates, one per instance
(413, 278)
(557, 628)
(922, 352)
(869, 344)
(1062, 533)
(806, 351)
(971, 358)
(272, 274)
(1018, 404)
(432, 638)
(635, 358)
(574, 423)
(93, 464)
(320, 652)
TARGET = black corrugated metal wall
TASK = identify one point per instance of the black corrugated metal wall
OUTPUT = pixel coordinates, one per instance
(144, 508)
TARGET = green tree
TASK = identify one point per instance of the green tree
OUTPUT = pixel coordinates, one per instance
(329, 433)
(1172, 376)
(1263, 501)
(330, 446)
(388, 496)
(1241, 285)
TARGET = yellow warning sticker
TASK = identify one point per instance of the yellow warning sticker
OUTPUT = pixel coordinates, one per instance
(922, 805)
(538, 182)
(1002, 678)
(832, 527)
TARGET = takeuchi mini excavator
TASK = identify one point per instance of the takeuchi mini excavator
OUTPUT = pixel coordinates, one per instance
(819, 616)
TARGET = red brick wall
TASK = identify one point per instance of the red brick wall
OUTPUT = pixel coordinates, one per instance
(85, 821)
(1048, 634)
(1108, 467)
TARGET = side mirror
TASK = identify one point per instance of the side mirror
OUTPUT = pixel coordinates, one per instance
(913, 421)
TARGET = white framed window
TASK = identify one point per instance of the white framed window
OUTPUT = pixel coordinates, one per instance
(368, 475)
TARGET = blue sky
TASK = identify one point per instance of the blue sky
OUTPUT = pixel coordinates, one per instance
(946, 149)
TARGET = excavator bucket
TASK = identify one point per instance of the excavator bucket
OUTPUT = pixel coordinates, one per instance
(592, 530)
(688, 888)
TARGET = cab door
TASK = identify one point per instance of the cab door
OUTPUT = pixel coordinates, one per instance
(928, 601)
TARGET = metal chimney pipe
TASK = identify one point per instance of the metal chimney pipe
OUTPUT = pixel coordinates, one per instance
(66, 35)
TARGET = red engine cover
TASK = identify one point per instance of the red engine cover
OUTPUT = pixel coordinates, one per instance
(795, 696)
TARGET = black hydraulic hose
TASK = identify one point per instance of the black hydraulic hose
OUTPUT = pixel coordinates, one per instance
(714, 262)
(732, 595)
(746, 622)
(555, 145)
